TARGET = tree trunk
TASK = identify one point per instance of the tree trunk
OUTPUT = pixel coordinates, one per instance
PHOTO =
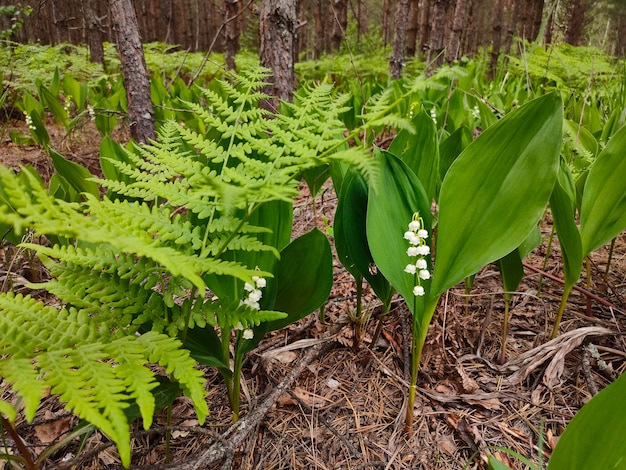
(412, 28)
(576, 13)
(277, 29)
(437, 34)
(362, 20)
(497, 29)
(453, 51)
(318, 47)
(136, 79)
(511, 24)
(387, 9)
(550, 27)
(94, 33)
(339, 13)
(396, 62)
(231, 32)
(424, 29)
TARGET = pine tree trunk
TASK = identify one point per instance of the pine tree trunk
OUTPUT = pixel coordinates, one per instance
(453, 51)
(362, 20)
(387, 18)
(412, 28)
(576, 12)
(277, 29)
(232, 32)
(339, 12)
(396, 62)
(136, 80)
(496, 31)
(511, 24)
(318, 18)
(437, 34)
(424, 29)
(94, 33)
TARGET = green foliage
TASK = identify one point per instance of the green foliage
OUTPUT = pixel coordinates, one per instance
(193, 225)
(595, 437)
(497, 188)
(16, 14)
(602, 212)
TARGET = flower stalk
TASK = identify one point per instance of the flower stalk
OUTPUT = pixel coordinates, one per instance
(419, 255)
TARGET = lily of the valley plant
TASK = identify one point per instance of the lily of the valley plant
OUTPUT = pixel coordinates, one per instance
(491, 197)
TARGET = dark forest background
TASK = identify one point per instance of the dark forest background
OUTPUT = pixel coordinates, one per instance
(435, 29)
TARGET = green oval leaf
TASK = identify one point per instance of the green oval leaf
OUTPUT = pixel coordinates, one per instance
(497, 190)
(389, 212)
(304, 277)
(603, 209)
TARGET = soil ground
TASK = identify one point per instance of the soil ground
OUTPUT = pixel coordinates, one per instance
(346, 409)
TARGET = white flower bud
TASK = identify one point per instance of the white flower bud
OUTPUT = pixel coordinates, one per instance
(414, 226)
(421, 264)
(423, 250)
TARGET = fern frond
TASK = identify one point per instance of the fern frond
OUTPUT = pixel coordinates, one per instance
(97, 373)
(167, 352)
(89, 387)
(227, 314)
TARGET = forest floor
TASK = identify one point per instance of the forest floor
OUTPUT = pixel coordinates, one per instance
(346, 406)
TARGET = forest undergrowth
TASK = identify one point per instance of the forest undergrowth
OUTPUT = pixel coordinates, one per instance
(345, 409)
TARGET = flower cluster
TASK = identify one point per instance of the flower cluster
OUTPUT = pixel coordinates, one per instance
(416, 235)
(252, 300)
(476, 112)
(29, 122)
(67, 106)
(433, 115)
(92, 112)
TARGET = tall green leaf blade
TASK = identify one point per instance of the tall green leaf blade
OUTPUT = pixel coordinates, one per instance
(420, 151)
(76, 175)
(351, 236)
(603, 210)
(512, 272)
(452, 147)
(497, 190)
(389, 212)
(52, 102)
(594, 439)
(563, 206)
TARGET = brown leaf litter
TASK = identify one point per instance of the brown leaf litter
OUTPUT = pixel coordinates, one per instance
(344, 408)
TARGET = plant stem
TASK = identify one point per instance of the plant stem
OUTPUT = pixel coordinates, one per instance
(28, 459)
(236, 391)
(358, 325)
(420, 330)
(588, 265)
(168, 435)
(545, 260)
(608, 261)
(416, 356)
(566, 291)
(505, 328)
